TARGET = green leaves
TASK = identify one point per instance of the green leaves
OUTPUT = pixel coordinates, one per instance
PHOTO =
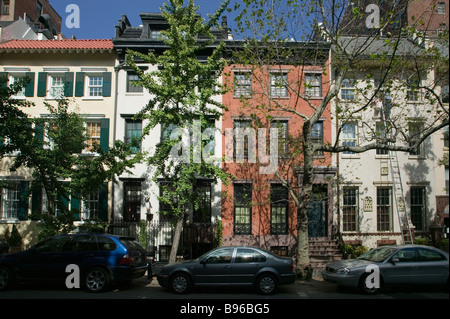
(183, 90)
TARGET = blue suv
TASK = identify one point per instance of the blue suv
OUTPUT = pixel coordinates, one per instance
(101, 259)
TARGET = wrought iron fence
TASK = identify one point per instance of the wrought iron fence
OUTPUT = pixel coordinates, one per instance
(157, 237)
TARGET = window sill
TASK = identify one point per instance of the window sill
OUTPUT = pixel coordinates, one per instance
(10, 221)
(93, 98)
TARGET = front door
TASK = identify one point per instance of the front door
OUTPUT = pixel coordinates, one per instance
(318, 212)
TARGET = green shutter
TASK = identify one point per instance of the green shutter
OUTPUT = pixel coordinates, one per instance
(36, 201)
(4, 76)
(68, 84)
(103, 202)
(42, 84)
(79, 84)
(106, 83)
(29, 89)
(39, 132)
(104, 134)
(75, 205)
(23, 201)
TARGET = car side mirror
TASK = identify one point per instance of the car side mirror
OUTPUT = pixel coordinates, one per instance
(203, 261)
(394, 260)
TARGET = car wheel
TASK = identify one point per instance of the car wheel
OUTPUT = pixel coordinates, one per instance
(180, 283)
(266, 284)
(365, 289)
(97, 280)
(6, 278)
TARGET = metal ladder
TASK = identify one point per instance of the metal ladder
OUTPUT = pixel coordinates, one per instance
(399, 195)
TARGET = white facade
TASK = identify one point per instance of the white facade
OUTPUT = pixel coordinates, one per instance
(128, 104)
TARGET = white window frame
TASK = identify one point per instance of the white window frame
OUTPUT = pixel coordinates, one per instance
(88, 122)
(10, 202)
(353, 139)
(348, 86)
(278, 84)
(13, 77)
(88, 86)
(51, 85)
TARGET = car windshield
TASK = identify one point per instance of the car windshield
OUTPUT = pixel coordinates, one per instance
(378, 254)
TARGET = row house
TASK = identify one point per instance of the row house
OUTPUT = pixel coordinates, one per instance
(136, 192)
(388, 197)
(257, 209)
(83, 72)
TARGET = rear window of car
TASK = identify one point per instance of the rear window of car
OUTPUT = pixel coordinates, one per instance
(105, 243)
(130, 243)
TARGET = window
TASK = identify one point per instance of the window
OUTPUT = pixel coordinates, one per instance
(417, 197)
(278, 210)
(248, 255)
(93, 134)
(202, 214)
(90, 206)
(56, 86)
(94, 86)
(350, 209)
(38, 8)
(278, 85)
(242, 209)
(4, 7)
(429, 255)
(133, 134)
(349, 136)
(244, 140)
(313, 85)
(166, 189)
(10, 202)
(16, 78)
(415, 132)
(383, 209)
(283, 136)
(412, 91)
(381, 135)
(348, 90)
(221, 256)
(132, 78)
(444, 94)
(447, 182)
(132, 201)
(242, 84)
(317, 136)
(441, 8)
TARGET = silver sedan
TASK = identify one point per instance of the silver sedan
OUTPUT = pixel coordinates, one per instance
(391, 266)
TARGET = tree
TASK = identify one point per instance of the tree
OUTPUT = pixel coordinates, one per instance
(183, 104)
(52, 149)
(15, 126)
(364, 46)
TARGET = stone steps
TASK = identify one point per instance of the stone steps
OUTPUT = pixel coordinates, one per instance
(321, 252)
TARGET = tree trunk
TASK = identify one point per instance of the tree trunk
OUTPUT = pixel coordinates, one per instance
(303, 264)
(176, 239)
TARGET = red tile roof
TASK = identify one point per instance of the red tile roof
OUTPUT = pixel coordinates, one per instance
(66, 44)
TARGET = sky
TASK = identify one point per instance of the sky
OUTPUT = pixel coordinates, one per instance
(98, 18)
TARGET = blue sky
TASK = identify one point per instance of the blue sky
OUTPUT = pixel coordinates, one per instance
(98, 18)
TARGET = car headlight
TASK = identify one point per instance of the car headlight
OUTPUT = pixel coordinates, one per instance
(344, 271)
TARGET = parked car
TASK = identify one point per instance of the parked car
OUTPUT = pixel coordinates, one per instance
(230, 266)
(102, 259)
(395, 266)
(4, 247)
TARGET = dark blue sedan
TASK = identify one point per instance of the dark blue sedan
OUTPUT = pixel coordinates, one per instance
(99, 258)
